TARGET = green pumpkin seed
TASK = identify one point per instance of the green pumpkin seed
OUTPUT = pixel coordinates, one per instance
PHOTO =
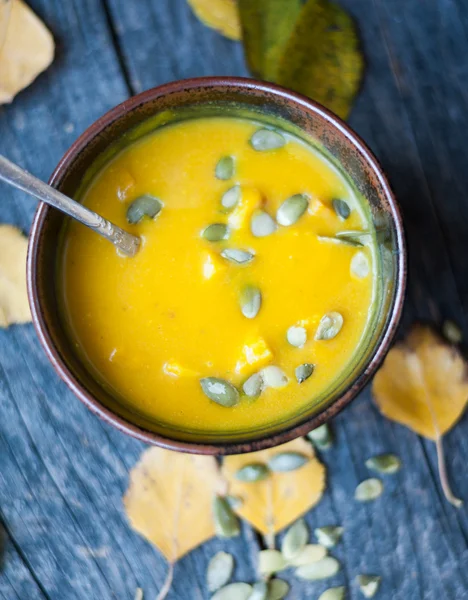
(368, 490)
(262, 224)
(452, 332)
(287, 461)
(354, 238)
(360, 265)
(384, 463)
(253, 386)
(274, 377)
(368, 584)
(330, 325)
(341, 208)
(260, 591)
(216, 232)
(231, 197)
(311, 553)
(321, 437)
(297, 336)
(329, 535)
(237, 256)
(233, 591)
(220, 391)
(225, 168)
(266, 139)
(270, 561)
(252, 472)
(277, 589)
(225, 521)
(334, 593)
(304, 371)
(143, 206)
(234, 501)
(339, 241)
(250, 301)
(322, 569)
(219, 570)
(292, 210)
(295, 539)
(138, 594)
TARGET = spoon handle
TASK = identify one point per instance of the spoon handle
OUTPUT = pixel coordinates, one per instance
(21, 179)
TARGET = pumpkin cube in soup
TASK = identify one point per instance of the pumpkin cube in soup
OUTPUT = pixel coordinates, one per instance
(255, 354)
(250, 200)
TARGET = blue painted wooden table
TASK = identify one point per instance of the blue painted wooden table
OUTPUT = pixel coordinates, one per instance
(63, 472)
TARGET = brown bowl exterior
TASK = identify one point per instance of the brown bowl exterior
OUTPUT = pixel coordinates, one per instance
(317, 122)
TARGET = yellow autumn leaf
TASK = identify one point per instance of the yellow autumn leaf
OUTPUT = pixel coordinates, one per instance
(28, 50)
(14, 306)
(221, 15)
(423, 384)
(274, 503)
(169, 500)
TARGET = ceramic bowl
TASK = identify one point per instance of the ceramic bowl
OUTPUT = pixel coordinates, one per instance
(217, 95)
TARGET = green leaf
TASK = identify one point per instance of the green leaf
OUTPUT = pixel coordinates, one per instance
(322, 58)
(251, 17)
(279, 20)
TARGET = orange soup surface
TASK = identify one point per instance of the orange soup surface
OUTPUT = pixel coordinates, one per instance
(253, 288)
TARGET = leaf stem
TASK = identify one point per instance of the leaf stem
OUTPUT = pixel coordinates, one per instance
(444, 481)
(163, 592)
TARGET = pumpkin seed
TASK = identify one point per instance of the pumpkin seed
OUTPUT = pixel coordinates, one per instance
(277, 589)
(368, 584)
(292, 210)
(220, 391)
(235, 255)
(250, 301)
(138, 594)
(384, 463)
(231, 197)
(341, 208)
(252, 472)
(260, 591)
(270, 561)
(309, 554)
(267, 139)
(225, 168)
(287, 461)
(234, 501)
(262, 224)
(304, 371)
(334, 593)
(253, 386)
(274, 377)
(360, 265)
(225, 521)
(355, 238)
(339, 241)
(295, 539)
(219, 570)
(322, 569)
(329, 535)
(233, 591)
(297, 336)
(368, 490)
(329, 327)
(321, 437)
(452, 332)
(216, 232)
(143, 206)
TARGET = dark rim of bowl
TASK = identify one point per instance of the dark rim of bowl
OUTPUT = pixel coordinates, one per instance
(222, 448)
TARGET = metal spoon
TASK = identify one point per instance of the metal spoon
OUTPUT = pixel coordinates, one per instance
(127, 243)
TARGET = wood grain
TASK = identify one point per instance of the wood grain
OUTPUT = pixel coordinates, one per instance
(63, 472)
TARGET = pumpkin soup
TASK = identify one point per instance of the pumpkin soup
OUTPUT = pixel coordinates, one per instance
(253, 288)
